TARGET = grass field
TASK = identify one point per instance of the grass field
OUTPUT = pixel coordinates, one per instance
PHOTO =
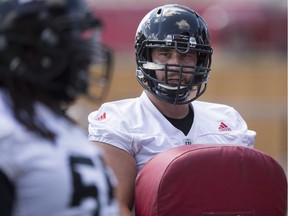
(255, 84)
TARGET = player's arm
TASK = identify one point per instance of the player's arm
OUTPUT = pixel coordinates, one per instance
(124, 167)
(7, 195)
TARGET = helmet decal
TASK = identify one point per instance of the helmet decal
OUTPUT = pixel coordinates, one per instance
(183, 25)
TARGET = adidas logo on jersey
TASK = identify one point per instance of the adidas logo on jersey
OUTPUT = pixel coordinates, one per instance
(223, 127)
(102, 117)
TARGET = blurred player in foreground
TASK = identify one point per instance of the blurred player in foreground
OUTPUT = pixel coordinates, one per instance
(47, 166)
(173, 56)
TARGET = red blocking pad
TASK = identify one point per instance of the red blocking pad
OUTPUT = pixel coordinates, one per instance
(211, 180)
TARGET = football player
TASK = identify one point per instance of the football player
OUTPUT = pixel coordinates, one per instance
(48, 48)
(173, 57)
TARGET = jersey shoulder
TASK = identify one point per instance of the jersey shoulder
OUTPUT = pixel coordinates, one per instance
(208, 107)
(216, 112)
(211, 105)
(115, 110)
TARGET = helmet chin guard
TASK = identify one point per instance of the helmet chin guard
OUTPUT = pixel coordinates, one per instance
(175, 27)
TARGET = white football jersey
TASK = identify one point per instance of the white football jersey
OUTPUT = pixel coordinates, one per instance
(136, 126)
(65, 178)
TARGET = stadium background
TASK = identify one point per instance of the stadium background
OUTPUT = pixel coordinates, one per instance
(249, 66)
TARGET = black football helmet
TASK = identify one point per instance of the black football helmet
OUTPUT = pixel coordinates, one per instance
(180, 28)
(54, 44)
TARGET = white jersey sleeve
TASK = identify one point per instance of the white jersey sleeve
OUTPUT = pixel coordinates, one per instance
(111, 124)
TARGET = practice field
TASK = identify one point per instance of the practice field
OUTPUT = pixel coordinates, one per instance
(254, 84)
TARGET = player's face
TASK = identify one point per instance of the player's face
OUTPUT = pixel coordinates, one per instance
(171, 56)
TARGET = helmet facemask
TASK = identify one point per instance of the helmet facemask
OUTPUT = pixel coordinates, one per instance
(99, 73)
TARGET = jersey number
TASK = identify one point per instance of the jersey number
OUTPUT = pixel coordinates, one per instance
(81, 191)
